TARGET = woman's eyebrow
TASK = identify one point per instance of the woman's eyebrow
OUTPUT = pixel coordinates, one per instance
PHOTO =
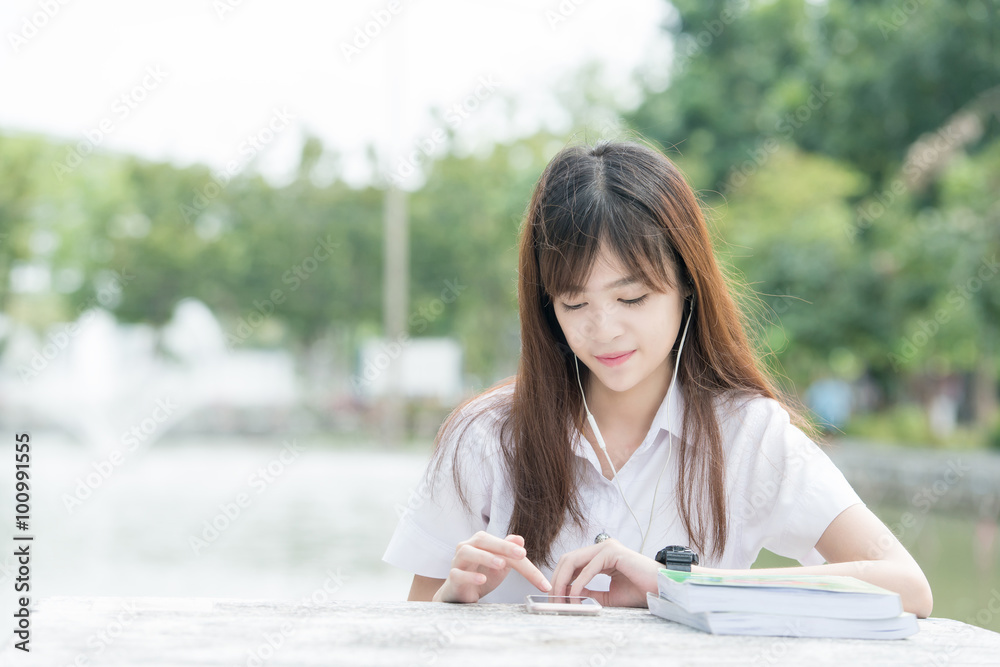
(575, 290)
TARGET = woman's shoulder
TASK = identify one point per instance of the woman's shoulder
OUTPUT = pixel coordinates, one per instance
(482, 414)
(748, 416)
(746, 403)
(491, 405)
(760, 432)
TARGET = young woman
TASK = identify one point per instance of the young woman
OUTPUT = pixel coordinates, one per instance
(639, 418)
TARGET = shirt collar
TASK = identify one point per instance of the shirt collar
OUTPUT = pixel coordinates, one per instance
(668, 418)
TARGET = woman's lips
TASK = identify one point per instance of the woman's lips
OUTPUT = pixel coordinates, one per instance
(615, 359)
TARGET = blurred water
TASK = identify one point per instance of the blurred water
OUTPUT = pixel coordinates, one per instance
(324, 512)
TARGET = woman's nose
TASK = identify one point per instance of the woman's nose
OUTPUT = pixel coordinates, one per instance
(605, 324)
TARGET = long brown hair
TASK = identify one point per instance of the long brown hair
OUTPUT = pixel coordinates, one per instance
(632, 199)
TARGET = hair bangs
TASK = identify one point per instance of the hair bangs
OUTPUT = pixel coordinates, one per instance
(571, 242)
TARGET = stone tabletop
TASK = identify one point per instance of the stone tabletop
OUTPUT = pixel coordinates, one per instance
(204, 631)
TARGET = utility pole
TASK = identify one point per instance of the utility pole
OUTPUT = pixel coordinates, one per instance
(395, 274)
(396, 249)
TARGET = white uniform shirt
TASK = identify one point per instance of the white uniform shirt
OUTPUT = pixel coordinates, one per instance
(782, 493)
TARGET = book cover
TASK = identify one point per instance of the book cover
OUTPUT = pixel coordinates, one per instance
(830, 596)
(802, 581)
(784, 625)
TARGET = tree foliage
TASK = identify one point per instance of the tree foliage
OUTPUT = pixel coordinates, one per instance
(847, 155)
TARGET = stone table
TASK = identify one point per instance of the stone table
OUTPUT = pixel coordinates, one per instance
(203, 631)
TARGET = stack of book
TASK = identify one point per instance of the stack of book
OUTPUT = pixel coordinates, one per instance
(781, 605)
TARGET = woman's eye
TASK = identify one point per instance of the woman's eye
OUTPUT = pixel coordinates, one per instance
(627, 302)
(635, 302)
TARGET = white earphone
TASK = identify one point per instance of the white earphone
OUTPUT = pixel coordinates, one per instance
(604, 447)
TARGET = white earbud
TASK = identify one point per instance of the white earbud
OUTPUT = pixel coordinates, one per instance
(593, 424)
(604, 447)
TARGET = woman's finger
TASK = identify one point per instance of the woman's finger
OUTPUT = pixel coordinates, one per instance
(464, 586)
(568, 566)
(586, 574)
(468, 557)
(601, 596)
(501, 547)
(484, 549)
(532, 574)
(563, 573)
(559, 577)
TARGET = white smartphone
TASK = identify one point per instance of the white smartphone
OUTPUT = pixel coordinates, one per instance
(562, 604)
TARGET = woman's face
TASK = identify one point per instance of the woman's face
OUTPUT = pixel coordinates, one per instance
(620, 329)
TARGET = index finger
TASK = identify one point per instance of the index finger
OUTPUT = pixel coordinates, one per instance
(531, 573)
(569, 564)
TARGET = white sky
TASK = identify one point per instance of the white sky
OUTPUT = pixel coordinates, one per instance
(225, 75)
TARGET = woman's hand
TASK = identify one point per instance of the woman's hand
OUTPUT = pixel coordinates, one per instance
(632, 574)
(482, 562)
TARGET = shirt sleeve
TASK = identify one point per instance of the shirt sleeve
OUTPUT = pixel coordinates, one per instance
(433, 519)
(791, 491)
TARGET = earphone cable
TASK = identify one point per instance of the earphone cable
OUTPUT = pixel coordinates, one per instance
(604, 448)
(670, 448)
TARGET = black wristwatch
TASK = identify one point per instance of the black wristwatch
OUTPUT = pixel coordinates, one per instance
(677, 558)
